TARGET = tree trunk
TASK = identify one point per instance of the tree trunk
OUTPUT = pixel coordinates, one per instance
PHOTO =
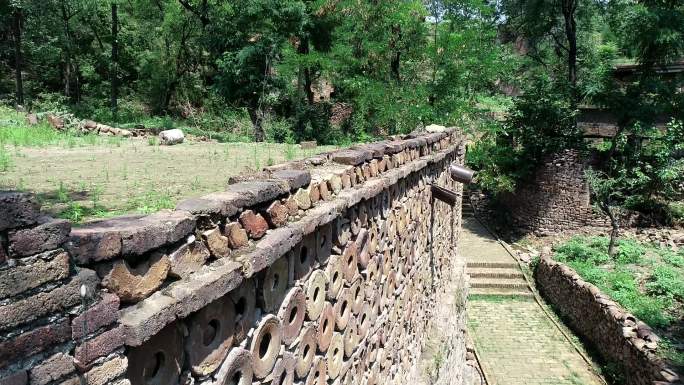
(614, 233)
(257, 120)
(569, 8)
(18, 60)
(115, 62)
(396, 55)
(67, 52)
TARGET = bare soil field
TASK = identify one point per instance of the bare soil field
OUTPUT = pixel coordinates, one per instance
(106, 178)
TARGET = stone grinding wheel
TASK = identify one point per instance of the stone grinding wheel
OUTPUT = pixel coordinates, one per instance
(265, 346)
(318, 374)
(210, 335)
(334, 272)
(236, 368)
(305, 350)
(349, 259)
(291, 314)
(274, 285)
(362, 252)
(335, 356)
(350, 336)
(324, 242)
(283, 370)
(342, 309)
(315, 294)
(357, 294)
(304, 260)
(341, 231)
(159, 360)
(244, 300)
(325, 327)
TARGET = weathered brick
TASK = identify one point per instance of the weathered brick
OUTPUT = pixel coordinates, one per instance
(254, 224)
(102, 314)
(187, 259)
(17, 210)
(34, 341)
(100, 345)
(47, 236)
(33, 272)
(52, 369)
(277, 214)
(106, 372)
(217, 243)
(42, 304)
(17, 378)
(237, 236)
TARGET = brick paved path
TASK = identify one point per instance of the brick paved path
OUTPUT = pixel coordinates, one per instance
(516, 342)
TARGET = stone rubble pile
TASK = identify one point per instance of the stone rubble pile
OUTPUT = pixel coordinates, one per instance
(317, 271)
(67, 121)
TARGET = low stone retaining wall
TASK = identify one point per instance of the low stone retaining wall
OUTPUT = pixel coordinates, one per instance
(318, 271)
(618, 336)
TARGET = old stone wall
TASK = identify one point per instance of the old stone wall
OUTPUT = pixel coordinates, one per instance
(319, 271)
(556, 199)
(617, 335)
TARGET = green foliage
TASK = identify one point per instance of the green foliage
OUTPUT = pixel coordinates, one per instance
(649, 296)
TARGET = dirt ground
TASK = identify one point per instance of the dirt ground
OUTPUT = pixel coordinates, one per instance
(134, 175)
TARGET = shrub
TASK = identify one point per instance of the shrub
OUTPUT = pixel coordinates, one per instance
(629, 251)
(666, 281)
(580, 249)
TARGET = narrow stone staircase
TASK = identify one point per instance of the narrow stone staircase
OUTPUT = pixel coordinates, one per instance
(497, 273)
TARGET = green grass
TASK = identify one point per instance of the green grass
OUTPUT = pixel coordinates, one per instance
(647, 280)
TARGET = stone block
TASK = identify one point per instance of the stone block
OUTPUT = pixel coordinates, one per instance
(217, 243)
(237, 236)
(49, 235)
(254, 224)
(52, 369)
(18, 210)
(103, 313)
(34, 341)
(42, 304)
(291, 204)
(273, 246)
(16, 378)
(187, 259)
(303, 199)
(295, 178)
(129, 235)
(277, 214)
(134, 284)
(350, 157)
(99, 346)
(106, 372)
(260, 191)
(33, 272)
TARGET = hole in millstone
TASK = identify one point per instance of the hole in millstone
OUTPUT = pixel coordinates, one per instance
(154, 366)
(363, 318)
(304, 256)
(276, 277)
(264, 344)
(211, 332)
(293, 315)
(281, 380)
(315, 294)
(240, 308)
(307, 348)
(343, 307)
(336, 276)
(323, 239)
(235, 379)
(317, 374)
(358, 292)
(336, 351)
(325, 326)
(350, 261)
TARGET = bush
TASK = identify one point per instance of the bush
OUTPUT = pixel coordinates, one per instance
(667, 282)
(594, 250)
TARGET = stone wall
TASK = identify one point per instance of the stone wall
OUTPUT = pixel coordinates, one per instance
(556, 199)
(319, 271)
(617, 335)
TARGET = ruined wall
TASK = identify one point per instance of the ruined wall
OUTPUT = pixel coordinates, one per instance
(618, 336)
(557, 199)
(320, 271)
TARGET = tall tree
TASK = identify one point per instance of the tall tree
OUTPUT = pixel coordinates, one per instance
(18, 59)
(115, 61)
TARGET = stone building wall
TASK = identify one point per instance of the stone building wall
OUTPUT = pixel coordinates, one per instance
(557, 198)
(617, 335)
(319, 271)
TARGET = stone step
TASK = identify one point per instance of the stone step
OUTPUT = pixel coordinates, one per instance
(492, 264)
(479, 272)
(501, 283)
(500, 292)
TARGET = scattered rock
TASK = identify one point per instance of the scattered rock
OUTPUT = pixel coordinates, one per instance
(171, 137)
(254, 224)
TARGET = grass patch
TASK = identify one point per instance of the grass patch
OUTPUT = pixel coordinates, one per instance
(646, 279)
(498, 298)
